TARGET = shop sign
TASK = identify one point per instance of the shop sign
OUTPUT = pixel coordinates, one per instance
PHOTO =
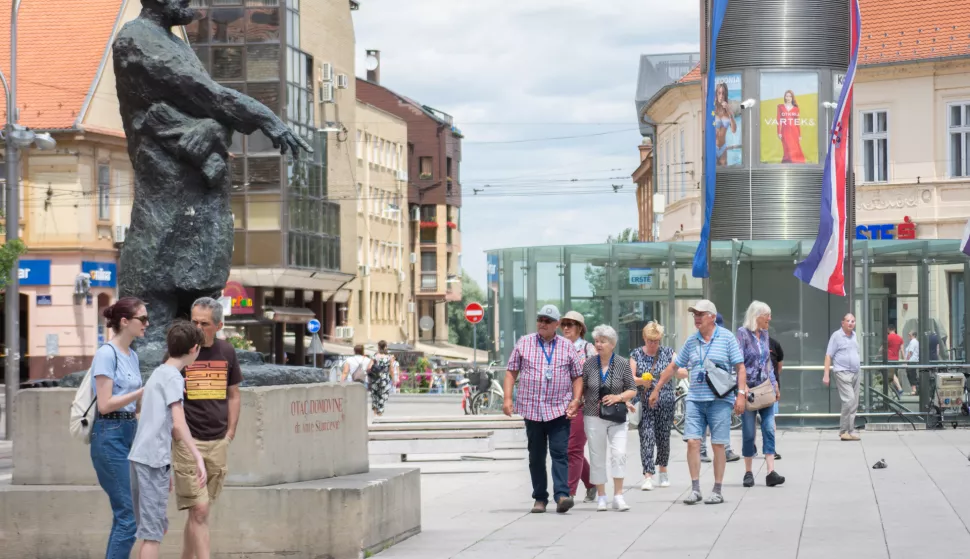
(44, 301)
(102, 274)
(641, 276)
(904, 231)
(242, 298)
(34, 272)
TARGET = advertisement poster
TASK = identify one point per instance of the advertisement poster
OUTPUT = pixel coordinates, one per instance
(727, 120)
(789, 117)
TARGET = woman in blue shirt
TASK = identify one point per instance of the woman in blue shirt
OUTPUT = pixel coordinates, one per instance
(753, 341)
(118, 389)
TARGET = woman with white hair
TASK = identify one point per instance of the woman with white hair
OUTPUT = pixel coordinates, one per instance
(607, 387)
(648, 362)
(753, 340)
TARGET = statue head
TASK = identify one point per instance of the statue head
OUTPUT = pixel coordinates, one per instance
(170, 12)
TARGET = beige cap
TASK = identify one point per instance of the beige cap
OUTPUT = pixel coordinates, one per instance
(703, 306)
(575, 317)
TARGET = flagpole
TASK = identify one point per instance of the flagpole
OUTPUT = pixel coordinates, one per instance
(850, 212)
(708, 29)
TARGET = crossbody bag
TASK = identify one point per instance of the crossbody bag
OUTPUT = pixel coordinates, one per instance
(610, 412)
(763, 395)
(721, 381)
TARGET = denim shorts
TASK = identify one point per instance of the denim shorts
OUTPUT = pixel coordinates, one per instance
(715, 414)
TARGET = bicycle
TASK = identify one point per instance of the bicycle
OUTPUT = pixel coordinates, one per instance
(680, 408)
(489, 401)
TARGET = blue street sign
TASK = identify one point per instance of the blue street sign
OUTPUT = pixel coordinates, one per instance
(34, 272)
(313, 326)
(44, 301)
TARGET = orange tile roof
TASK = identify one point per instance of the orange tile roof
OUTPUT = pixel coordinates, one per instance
(908, 30)
(692, 76)
(60, 47)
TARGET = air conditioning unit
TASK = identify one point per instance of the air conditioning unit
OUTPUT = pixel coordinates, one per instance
(402, 175)
(326, 72)
(344, 332)
(326, 92)
(342, 81)
(401, 276)
(411, 308)
(121, 231)
(414, 258)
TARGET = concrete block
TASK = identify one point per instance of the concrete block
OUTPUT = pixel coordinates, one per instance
(285, 434)
(403, 444)
(340, 518)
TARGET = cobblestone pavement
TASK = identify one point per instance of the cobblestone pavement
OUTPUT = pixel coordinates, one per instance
(832, 505)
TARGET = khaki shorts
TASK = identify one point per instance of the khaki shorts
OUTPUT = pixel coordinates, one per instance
(187, 490)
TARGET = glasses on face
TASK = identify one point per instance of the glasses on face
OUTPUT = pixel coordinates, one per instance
(652, 342)
(568, 324)
(143, 318)
(544, 320)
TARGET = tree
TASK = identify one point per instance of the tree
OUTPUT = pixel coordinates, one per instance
(9, 255)
(598, 281)
(460, 330)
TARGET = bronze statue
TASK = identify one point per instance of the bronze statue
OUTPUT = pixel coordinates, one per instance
(179, 123)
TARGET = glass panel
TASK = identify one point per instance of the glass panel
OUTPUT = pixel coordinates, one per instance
(869, 159)
(267, 94)
(226, 2)
(956, 153)
(955, 114)
(228, 25)
(260, 143)
(264, 173)
(882, 124)
(263, 26)
(262, 62)
(227, 63)
(198, 31)
(867, 123)
(238, 206)
(203, 54)
(883, 160)
(262, 2)
(238, 169)
(295, 32)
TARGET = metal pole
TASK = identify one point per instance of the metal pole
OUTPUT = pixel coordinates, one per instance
(708, 83)
(12, 296)
(850, 218)
(750, 167)
(735, 257)
(474, 346)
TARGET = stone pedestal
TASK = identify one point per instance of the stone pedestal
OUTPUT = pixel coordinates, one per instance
(299, 482)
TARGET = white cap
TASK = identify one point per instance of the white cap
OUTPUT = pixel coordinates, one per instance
(703, 306)
(550, 311)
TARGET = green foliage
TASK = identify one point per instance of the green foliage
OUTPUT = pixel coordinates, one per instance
(9, 254)
(239, 342)
(594, 310)
(460, 330)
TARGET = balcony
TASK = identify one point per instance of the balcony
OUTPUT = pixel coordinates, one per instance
(429, 282)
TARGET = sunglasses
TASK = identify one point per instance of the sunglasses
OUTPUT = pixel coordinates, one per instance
(143, 319)
(568, 324)
(544, 320)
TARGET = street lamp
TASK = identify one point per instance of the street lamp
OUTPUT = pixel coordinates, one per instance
(748, 105)
(16, 137)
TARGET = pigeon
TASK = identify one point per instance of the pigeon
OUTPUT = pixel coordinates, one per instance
(879, 465)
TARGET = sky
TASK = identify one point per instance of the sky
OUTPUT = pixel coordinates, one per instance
(543, 92)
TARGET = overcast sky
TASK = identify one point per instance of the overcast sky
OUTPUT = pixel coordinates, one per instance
(511, 71)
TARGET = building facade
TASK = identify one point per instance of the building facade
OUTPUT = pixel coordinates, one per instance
(383, 290)
(434, 199)
(295, 218)
(910, 138)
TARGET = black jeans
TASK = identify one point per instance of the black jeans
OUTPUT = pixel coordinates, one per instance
(554, 436)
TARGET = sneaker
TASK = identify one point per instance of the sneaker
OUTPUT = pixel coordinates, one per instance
(564, 504)
(619, 503)
(732, 456)
(694, 498)
(590, 495)
(774, 478)
(714, 499)
(777, 456)
(845, 437)
(854, 437)
(539, 507)
(601, 504)
(647, 484)
(748, 479)
(705, 458)
(664, 480)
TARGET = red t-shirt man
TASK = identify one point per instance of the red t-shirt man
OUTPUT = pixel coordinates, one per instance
(894, 342)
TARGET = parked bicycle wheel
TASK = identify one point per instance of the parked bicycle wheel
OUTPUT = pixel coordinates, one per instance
(485, 403)
(680, 413)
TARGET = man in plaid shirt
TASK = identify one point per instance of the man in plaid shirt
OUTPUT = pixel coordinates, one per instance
(550, 378)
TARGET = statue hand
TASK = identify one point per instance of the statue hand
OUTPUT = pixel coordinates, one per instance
(284, 139)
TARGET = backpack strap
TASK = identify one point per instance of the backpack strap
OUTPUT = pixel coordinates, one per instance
(95, 400)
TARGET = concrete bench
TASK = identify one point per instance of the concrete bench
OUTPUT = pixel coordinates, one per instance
(507, 433)
(395, 446)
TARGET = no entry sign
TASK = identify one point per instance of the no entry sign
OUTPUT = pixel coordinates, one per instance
(474, 313)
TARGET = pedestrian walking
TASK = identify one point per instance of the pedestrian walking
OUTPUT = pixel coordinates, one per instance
(842, 355)
(647, 363)
(212, 406)
(573, 327)
(729, 453)
(894, 343)
(550, 388)
(753, 340)
(379, 378)
(118, 387)
(162, 417)
(912, 358)
(710, 355)
(355, 368)
(607, 387)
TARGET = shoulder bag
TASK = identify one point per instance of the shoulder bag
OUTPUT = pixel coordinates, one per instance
(359, 374)
(610, 412)
(722, 380)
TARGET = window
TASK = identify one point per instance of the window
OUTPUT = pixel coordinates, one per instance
(104, 192)
(959, 129)
(360, 145)
(667, 166)
(875, 146)
(424, 167)
(683, 170)
(360, 250)
(660, 166)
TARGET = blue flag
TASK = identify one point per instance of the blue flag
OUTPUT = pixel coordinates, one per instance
(710, 143)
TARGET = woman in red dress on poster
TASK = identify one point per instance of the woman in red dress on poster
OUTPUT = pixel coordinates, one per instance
(789, 130)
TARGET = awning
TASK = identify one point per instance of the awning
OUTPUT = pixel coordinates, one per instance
(451, 351)
(291, 315)
(247, 320)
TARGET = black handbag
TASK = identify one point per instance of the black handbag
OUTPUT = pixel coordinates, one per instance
(615, 412)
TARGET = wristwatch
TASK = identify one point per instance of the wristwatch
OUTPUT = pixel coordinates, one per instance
(741, 392)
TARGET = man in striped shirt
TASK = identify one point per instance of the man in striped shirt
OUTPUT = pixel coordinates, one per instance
(704, 408)
(550, 378)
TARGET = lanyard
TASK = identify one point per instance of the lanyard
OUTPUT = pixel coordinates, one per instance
(608, 367)
(700, 343)
(552, 349)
